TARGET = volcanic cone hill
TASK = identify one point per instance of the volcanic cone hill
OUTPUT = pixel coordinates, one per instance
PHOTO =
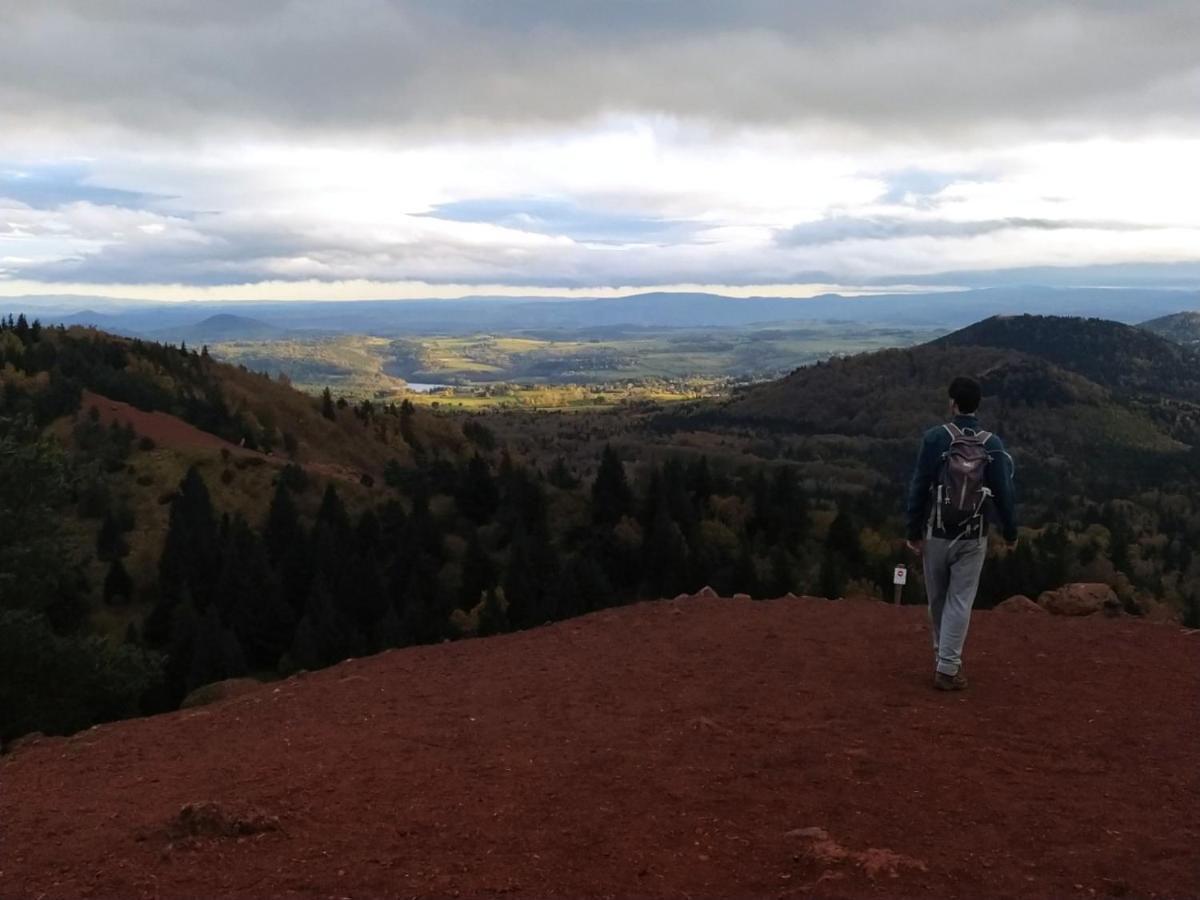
(695, 747)
(1100, 408)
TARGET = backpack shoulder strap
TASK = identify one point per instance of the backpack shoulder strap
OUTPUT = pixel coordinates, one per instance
(983, 437)
(954, 431)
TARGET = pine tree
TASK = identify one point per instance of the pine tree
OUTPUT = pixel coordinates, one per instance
(1119, 548)
(118, 586)
(677, 496)
(424, 619)
(654, 499)
(327, 409)
(783, 571)
(477, 495)
(665, 557)
(408, 430)
(745, 571)
(700, 480)
(216, 654)
(366, 598)
(611, 495)
(562, 477)
(307, 650)
(282, 530)
(493, 618)
(843, 541)
(332, 512)
(249, 597)
(790, 507)
(178, 625)
(1191, 610)
(389, 631)
(325, 635)
(530, 579)
(582, 587)
(190, 559)
(368, 534)
(831, 579)
(110, 543)
(525, 506)
(478, 573)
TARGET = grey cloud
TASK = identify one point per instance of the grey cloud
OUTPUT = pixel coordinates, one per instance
(215, 250)
(882, 228)
(177, 68)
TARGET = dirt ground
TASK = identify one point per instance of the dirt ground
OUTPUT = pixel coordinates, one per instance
(164, 429)
(688, 748)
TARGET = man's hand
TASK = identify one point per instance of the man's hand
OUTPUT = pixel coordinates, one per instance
(917, 547)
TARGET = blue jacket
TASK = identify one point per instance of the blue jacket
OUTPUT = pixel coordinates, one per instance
(999, 478)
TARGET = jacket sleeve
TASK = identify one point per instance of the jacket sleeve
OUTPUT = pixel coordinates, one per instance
(1000, 480)
(917, 506)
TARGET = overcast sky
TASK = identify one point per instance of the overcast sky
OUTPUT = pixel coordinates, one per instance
(388, 148)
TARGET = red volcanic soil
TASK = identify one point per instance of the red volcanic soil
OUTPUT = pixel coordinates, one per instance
(689, 748)
(164, 429)
(175, 434)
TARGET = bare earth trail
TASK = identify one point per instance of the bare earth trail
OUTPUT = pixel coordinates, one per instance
(164, 429)
(170, 431)
(691, 748)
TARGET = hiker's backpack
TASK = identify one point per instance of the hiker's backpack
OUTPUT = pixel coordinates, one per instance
(961, 490)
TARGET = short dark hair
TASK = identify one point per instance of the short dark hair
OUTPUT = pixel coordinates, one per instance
(966, 394)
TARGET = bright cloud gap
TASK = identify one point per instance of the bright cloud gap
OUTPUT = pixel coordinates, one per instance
(543, 149)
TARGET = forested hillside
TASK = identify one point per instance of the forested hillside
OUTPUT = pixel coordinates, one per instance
(140, 564)
(1182, 328)
(1106, 470)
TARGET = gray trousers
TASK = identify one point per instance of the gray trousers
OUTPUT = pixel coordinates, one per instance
(951, 579)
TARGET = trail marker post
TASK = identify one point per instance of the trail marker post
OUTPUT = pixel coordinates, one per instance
(899, 579)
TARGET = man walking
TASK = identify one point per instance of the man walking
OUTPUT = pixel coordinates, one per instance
(963, 476)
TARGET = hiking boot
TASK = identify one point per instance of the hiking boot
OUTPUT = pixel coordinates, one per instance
(955, 682)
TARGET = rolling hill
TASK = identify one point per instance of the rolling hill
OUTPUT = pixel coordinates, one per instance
(852, 424)
(1182, 328)
(219, 328)
(1067, 377)
(472, 315)
(1131, 361)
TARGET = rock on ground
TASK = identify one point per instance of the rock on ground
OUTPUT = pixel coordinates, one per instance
(220, 690)
(1019, 603)
(1081, 600)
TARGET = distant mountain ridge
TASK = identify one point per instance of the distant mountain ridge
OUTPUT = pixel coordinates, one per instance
(656, 309)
